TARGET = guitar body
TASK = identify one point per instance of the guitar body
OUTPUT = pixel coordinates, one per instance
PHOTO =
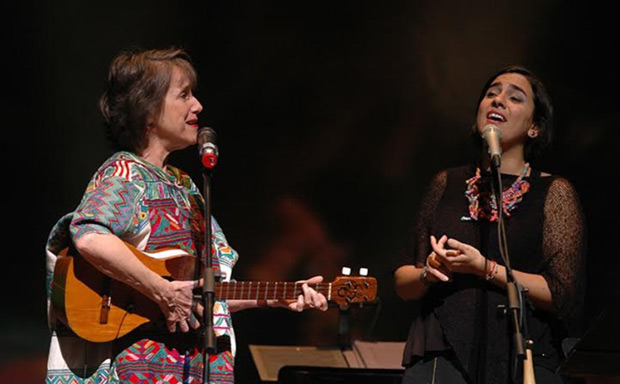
(98, 308)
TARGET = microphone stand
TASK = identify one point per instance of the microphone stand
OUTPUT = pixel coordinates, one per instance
(514, 289)
(344, 331)
(208, 287)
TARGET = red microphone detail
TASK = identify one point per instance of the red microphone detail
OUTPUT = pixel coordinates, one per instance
(207, 147)
(209, 160)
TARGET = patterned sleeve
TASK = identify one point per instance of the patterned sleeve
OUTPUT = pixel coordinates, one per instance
(564, 249)
(420, 246)
(227, 257)
(111, 204)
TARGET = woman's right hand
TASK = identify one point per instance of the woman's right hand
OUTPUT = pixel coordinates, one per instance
(178, 305)
(436, 271)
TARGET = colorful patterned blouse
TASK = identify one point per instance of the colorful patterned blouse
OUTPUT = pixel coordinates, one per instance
(149, 208)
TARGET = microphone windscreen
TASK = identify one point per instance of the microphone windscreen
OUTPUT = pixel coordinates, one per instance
(206, 135)
(491, 129)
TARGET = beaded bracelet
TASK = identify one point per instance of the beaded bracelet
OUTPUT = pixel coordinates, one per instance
(493, 271)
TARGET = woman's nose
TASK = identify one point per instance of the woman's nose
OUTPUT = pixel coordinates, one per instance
(498, 100)
(197, 107)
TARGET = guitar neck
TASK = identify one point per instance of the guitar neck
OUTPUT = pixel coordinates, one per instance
(266, 290)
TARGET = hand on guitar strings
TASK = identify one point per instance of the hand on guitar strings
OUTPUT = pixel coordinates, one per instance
(178, 306)
(309, 299)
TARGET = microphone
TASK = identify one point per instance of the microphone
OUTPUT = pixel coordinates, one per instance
(207, 148)
(492, 135)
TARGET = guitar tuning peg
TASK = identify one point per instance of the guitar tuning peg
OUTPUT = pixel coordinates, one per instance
(363, 271)
(346, 271)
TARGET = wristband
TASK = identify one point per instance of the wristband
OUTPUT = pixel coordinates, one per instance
(492, 272)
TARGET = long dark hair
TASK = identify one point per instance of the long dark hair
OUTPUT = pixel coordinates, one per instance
(136, 87)
(543, 111)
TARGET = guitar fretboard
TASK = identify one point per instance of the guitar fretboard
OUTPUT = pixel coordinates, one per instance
(266, 290)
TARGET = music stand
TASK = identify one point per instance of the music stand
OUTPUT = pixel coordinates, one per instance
(269, 359)
(365, 359)
(321, 375)
(597, 353)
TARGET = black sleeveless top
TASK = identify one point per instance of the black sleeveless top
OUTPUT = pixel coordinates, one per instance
(545, 236)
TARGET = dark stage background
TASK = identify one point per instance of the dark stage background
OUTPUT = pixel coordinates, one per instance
(332, 117)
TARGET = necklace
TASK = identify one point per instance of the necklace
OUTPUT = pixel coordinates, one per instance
(511, 197)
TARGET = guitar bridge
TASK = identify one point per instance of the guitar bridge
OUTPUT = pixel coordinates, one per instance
(106, 303)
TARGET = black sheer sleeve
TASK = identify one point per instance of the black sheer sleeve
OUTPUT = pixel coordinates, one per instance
(420, 244)
(564, 249)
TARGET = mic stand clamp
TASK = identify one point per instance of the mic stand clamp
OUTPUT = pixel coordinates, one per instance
(515, 293)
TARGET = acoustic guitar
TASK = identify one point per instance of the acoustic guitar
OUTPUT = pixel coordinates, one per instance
(100, 309)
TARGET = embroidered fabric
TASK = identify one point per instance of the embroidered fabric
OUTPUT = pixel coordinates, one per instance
(163, 208)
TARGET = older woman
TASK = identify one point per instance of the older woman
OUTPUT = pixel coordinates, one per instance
(137, 198)
(455, 270)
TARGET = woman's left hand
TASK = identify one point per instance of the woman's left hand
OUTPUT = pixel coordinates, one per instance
(459, 257)
(309, 299)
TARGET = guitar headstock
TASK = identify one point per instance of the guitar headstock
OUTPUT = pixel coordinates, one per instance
(348, 290)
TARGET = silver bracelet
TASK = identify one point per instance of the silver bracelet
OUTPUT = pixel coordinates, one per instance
(424, 277)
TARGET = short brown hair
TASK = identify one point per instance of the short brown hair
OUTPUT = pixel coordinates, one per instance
(136, 87)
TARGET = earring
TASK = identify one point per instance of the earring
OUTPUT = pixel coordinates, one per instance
(532, 134)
